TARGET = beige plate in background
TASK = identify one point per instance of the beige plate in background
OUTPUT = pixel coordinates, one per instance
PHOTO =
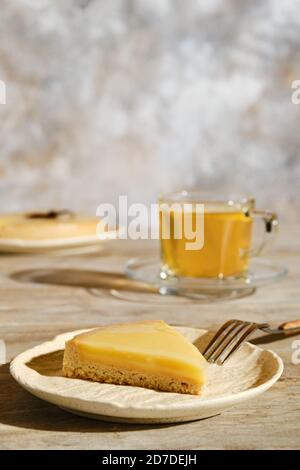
(249, 372)
(73, 244)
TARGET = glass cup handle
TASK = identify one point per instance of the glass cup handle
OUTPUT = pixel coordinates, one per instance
(270, 222)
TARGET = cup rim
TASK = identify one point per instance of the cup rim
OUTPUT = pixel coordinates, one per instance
(201, 197)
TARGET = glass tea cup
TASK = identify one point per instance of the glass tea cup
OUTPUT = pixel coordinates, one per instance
(210, 237)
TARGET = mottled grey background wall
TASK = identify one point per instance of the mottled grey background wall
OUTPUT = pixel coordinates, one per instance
(144, 96)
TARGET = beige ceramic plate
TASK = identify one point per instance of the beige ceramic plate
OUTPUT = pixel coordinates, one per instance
(73, 244)
(250, 372)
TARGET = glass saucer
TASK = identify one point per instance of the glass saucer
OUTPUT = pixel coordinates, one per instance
(260, 273)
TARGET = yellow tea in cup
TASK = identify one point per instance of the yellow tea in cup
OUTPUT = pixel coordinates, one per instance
(226, 237)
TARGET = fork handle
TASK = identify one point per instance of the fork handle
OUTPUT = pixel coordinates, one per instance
(289, 325)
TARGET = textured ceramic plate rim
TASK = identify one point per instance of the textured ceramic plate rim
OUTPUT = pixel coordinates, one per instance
(25, 376)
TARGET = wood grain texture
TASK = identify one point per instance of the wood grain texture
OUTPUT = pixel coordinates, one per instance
(32, 311)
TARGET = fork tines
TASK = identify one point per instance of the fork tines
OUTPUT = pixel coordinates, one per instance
(227, 340)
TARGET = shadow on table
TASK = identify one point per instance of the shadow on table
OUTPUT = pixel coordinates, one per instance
(20, 409)
(93, 280)
(82, 278)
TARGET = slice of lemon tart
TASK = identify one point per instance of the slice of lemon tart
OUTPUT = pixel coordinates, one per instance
(147, 354)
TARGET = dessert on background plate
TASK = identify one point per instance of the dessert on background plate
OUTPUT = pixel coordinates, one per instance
(47, 225)
(63, 229)
(149, 354)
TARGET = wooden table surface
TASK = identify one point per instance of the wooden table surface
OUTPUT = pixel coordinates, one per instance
(32, 311)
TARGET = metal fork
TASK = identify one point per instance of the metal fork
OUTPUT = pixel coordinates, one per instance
(233, 333)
